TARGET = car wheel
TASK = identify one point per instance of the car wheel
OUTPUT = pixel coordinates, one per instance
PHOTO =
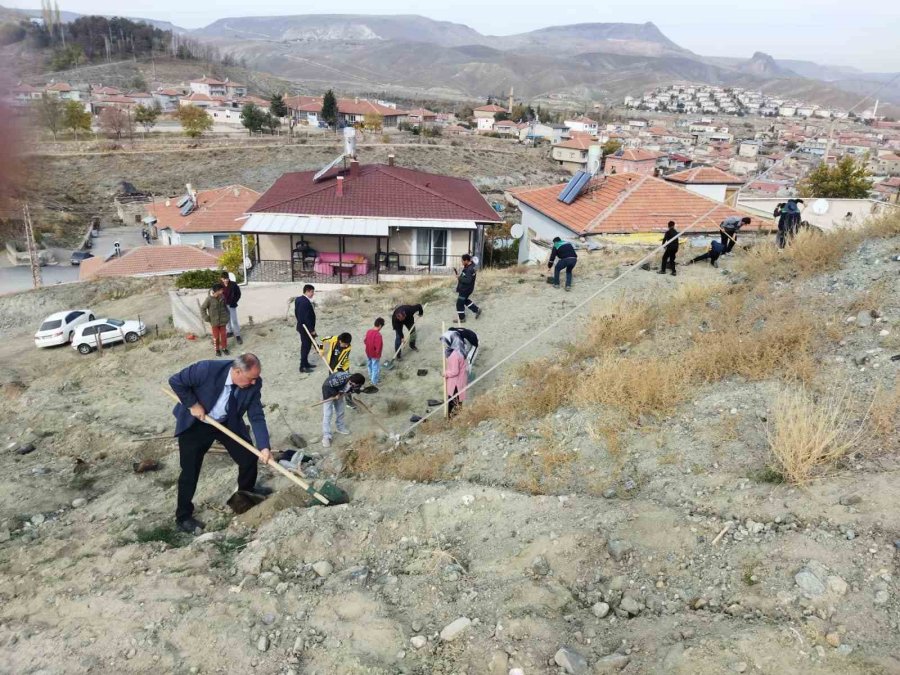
(91, 317)
(132, 337)
(84, 348)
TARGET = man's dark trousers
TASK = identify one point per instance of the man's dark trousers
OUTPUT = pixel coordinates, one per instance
(668, 259)
(305, 346)
(192, 446)
(728, 239)
(463, 302)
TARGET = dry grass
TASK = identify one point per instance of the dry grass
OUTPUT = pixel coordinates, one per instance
(811, 252)
(626, 322)
(884, 415)
(871, 298)
(636, 386)
(885, 226)
(807, 434)
(366, 459)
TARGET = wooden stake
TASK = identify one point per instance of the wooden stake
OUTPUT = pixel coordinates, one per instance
(444, 373)
(721, 534)
(271, 463)
(321, 355)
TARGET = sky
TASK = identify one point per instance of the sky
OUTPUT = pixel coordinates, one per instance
(859, 33)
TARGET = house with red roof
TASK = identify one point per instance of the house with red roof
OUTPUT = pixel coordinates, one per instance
(364, 223)
(24, 94)
(207, 218)
(622, 203)
(150, 261)
(209, 86)
(631, 160)
(583, 123)
(66, 92)
(709, 181)
(421, 116)
(485, 115)
(572, 154)
(351, 111)
(506, 128)
(167, 98)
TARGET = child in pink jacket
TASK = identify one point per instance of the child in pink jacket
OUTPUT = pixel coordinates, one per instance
(456, 377)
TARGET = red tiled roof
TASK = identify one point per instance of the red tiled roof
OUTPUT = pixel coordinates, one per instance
(115, 99)
(629, 202)
(576, 143)
(421, 112)
(505, 123)
(490, 108)
(583, 120)
(197, 96)
(23, 88)
(168, 92)
(208, 80)
(636, 155)
(152, 260)
(704, 175)
(59, 86)
(218, 211)
(229, 83)
(379, 191)
(296, 101)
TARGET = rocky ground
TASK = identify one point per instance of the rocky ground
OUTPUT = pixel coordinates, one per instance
(549, 542)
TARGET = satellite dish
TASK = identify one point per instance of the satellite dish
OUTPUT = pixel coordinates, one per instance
(516, 231)
(820, 207)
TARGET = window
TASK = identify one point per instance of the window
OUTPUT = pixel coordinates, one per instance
(106, 328)
(431, 245)
(71, 316)
(50, 325)
(90, 330)
(116, 322)
(219, 240)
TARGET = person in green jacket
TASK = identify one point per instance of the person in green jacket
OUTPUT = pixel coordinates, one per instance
(215, 313)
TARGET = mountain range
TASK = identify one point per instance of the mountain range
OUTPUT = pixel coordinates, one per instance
(419, 57)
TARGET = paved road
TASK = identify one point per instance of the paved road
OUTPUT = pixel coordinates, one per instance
(18, 278)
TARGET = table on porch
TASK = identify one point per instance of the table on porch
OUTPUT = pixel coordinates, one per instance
(342, 267)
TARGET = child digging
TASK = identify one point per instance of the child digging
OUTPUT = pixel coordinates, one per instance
(215, 313)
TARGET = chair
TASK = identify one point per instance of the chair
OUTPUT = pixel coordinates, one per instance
(393, 260)
(381, 260)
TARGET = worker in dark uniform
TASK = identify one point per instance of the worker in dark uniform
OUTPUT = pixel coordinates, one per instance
(671, 250)
(402, 317)
(465, 286)
(564, 253)
(305, 313)
(730, 227)
(716, 249)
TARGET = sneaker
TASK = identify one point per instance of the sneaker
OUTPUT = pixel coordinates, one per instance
(343, 432)
(326, 442)
(239, 340)
(351, 405)
(226, 352)
(555, 285)
(673, 273)
(414, 348)
(190, 525)
(262, 490)
(218, 352)
(568, 288)
(662, 271)
(478, 314)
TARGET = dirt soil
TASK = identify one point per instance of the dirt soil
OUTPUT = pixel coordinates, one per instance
(543, 548)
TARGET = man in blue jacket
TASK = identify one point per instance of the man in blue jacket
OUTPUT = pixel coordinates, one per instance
(225, 391)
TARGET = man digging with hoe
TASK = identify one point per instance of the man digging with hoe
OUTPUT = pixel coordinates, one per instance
(226, 391)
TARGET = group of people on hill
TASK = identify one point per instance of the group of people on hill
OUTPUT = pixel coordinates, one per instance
(728, 238)
(788, 215)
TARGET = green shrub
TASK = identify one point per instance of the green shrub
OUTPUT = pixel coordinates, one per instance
(198, 279)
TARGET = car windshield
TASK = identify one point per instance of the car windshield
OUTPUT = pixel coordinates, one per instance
(50, 325)
(115, 322)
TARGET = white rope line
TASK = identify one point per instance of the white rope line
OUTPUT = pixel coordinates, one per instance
(565, 316)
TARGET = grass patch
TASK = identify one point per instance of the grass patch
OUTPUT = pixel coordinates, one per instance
(635, 385)
(767, 474)
(395, 405)
(366, 459)
(807, 434)
(168, 534)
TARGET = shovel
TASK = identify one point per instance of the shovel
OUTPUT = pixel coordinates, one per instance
(389, 364)
(327, 487)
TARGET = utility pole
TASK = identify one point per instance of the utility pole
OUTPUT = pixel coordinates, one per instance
(36, 280)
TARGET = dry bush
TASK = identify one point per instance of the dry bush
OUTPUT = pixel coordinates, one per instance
(873, 297)
(636, 386)
(806, 434)
(811, 252)
(395, 405)
(886, 225)
(689, 296)
(884, 415)
(365, 458)
(545, 387)
(626, 322)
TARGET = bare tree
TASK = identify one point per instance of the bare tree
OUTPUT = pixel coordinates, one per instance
(116, 122)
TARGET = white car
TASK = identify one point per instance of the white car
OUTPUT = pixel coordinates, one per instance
(105, 332)
(57, 329)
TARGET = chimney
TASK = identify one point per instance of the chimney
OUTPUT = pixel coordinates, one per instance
(340, 186)
(354, 168)
(391, 159)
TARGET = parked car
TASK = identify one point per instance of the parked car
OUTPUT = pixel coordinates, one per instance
(106, 331)
(80, 256)
(57, 329)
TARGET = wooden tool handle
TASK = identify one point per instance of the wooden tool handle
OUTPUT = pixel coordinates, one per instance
(318, 351)
(237, 439)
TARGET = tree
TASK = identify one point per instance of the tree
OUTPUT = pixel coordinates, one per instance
(116, 122)
(232, 260)
(277, 106)
(146, 116)
(271, 122)
(76, 118)
(194, 120)
(372, 122)
(330, 109)
(50, 113)
(848, 179)
(252, 118)
(501, 116)
(611, 147)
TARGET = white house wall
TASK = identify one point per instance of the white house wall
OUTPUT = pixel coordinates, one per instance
(716, 192)
(539, 226)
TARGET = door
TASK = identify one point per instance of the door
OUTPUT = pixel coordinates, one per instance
(109, 333)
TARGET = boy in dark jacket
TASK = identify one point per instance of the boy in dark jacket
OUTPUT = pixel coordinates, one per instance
(465, 286)
(402, 317)
(716, 249)
(334, 389)
(215, 313)
(305, 314)
(231, 297)
(671, 242)
(567, 258)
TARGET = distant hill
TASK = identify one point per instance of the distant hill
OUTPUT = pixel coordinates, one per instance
(763, 65)
(7, 13)
(643, 39)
